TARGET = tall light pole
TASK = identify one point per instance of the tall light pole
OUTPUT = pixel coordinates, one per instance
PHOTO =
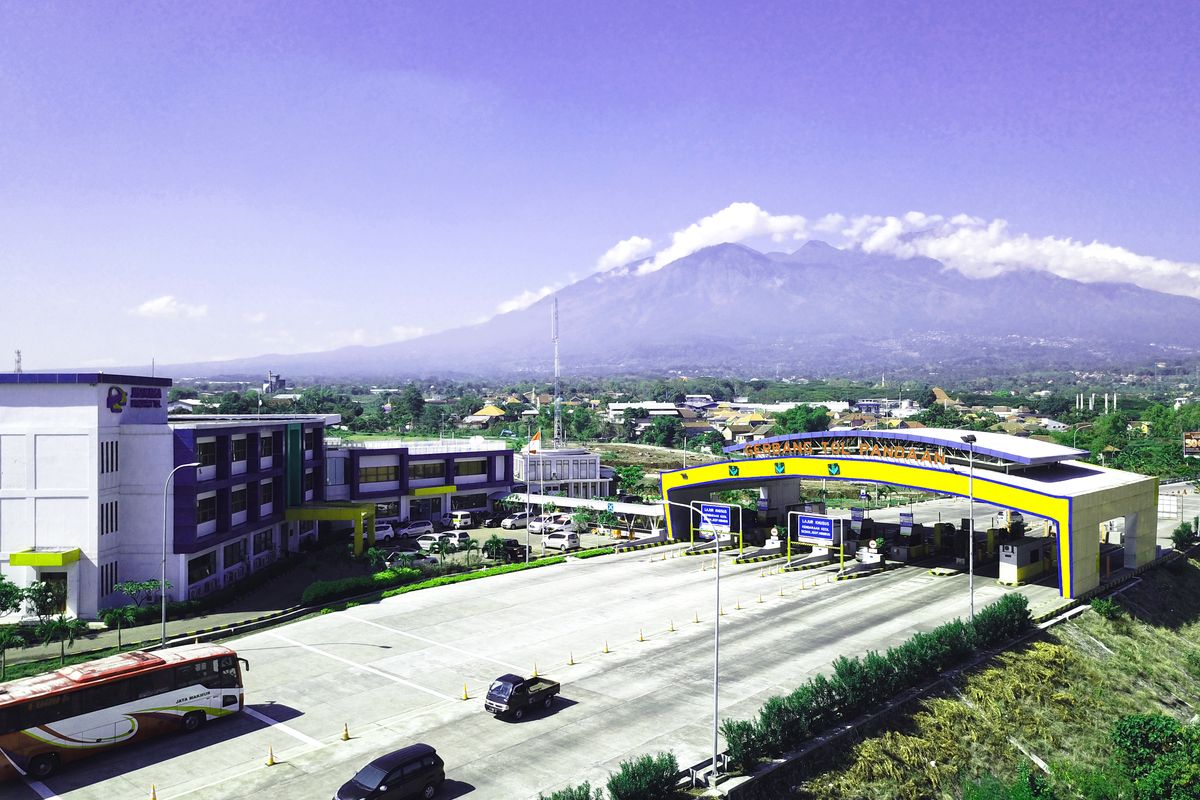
(970, 440)
(162, 586)
(1078, 427)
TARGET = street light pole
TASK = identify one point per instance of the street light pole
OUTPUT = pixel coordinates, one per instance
(1078, 428)
(970, 440)
(162, 586)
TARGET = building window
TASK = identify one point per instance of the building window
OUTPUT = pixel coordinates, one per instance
(308, 482)
(266, 492)
(109, 520)
(478, 467)
(309, 438)
(426, 470)
(264, 542)
(466, 502)
(235, 553)
(108, 578)
(202, 567)
(206, 453)
(206, 509)
(237, 500)
(110, 457)
(378, 474)
(239, 449)
(266, 446)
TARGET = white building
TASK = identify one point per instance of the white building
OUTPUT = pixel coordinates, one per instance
(570, 471)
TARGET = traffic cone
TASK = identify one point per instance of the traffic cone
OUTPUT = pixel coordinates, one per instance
(346, 726)
(571, 660)
(153, 794)
(739, 604)
(465, 695)
(535, 669)
(270, 756)
(695, 618)
(606, 650)
(671, 627)
(640, 637)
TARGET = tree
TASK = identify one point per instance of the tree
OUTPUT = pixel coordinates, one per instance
(117, 618)
(44, 598)
(583, 519)
(629, 477)
(629, 420)
(410, 403)
(1184, 536)
(493, 548)
(664, 432)
(11, 597)
(801, 419)
(469, 547)
(62, 629)
(139, 591)
(9, 637)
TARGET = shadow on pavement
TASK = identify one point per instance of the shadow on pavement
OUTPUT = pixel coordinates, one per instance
(453, 788)
(560, 703)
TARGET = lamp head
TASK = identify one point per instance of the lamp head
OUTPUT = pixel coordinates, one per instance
(969, 438)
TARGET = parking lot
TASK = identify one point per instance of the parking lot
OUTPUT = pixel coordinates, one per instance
(394, 673)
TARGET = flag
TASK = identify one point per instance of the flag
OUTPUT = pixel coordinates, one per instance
(535, 442)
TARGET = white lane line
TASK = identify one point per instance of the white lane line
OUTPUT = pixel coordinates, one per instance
(283, 728)
(42, 789)
(458, 650)
(389, 676)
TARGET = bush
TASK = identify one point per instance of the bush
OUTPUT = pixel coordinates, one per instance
(323, 591)
(599, 551)
(645, 778)
(583, 791)
(1001, 620)
(1106, 607)
(1139, 739)
(470, 576)
(1192, 663)
(742, 743)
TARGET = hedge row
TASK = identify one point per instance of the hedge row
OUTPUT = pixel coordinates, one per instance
(643, 778)
(599, 551)
(860, 684)
(323, 591)
(470, 576)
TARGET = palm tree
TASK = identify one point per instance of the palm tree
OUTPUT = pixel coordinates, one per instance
(117, 618)
(63, 629)
(493, 548)
(443, 548)
(8, 638)
(468, 547)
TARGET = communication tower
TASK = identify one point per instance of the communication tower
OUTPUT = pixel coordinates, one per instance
(558, 430)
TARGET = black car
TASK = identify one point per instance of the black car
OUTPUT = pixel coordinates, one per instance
(414, 771)
(514, 551)
(494, 520)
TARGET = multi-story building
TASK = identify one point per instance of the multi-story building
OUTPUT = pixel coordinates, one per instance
(567, 471)
(84, 497)
(419, 479)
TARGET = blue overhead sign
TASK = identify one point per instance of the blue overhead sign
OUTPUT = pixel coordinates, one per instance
(810, 527)
(714, 517)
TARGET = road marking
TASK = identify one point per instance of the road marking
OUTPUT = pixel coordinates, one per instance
(458, 650)
(389, 676)
(42, 789)
(283, 728)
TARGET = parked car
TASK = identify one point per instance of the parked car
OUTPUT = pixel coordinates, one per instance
(512, 695)
(459, 538)
(541, 524)
(413, 771)
(443, 520)
(461, 520)
(414, 559)
(517, 520)
(414, 529)
(561, 540)
(514, 552)
(495, 519)
(561, 522)
(384, 532)
(426, 542)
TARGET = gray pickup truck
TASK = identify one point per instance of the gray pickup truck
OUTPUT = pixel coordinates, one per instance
(511, 695)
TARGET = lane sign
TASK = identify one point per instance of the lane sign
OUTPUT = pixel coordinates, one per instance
(714, 517)
(813, 528)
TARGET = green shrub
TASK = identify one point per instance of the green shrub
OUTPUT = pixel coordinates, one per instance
(1001, 620)
(583, 791)
(1139, 739)
(645, 778)
(599, 551)
(446, 580)
(1107, 607)
(742, 743)
(1192, 663)
(323, 591)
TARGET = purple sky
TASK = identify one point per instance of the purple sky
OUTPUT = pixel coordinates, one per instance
(193, 181)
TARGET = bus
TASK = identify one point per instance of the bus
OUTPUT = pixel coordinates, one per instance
(52, 719)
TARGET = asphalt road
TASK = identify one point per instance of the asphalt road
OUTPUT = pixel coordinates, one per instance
(394, 672)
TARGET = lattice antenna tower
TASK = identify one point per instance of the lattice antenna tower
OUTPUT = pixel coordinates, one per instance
(558, 430)
(17, 362)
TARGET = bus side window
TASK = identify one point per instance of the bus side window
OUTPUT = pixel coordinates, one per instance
(157, 682)
(191, 674)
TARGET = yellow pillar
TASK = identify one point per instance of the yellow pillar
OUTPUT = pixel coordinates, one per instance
(358, 535)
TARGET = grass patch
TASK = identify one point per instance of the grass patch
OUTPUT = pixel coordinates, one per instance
(446, 580)
(27, 669)
(1058, 698)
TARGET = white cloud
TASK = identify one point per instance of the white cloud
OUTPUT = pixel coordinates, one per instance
(402, 333)
(625, 251)
(524, 300)
(974, 246)
(256, 319)
(168, 306)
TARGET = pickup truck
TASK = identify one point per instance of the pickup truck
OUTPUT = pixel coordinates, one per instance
(511, 695)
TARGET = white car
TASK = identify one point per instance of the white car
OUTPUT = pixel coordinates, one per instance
(426, 542)
(541, 524)
(562, 522)
(384, 532)
(414, 529)
(518, 520)
(561, 540)
(459, 538)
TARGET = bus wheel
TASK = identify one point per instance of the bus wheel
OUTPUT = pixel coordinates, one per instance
(192, 721)
(43, 766)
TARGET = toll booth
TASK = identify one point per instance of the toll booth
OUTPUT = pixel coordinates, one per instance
(1024, 560)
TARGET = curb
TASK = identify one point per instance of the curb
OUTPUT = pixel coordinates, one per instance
(759, 559)
(705, 552)
(806, 567)
(630, 548)
(866, 573)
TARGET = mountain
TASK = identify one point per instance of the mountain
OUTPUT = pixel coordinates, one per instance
(730, 309)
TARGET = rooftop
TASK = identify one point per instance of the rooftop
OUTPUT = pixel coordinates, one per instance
(80, 377)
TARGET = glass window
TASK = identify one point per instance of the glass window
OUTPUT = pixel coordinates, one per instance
(206, 509)
(378, 474)
(426, 470)
(206, 453)
(237, 500)
(235, 553)
(157, 682)
(191, 674)
(266, 445)
(264, 541)
(201, 567)
(266, 492)
(239, 449)
(308, 481)
(477, 467)
(309, 438)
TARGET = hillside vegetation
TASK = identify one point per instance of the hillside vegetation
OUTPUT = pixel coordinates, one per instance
(1045, 721)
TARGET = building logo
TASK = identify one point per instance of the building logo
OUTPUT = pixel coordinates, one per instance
(835, 469)
(733, 471)
(116, 399)
(778, 467)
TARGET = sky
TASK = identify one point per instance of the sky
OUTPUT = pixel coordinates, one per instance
(186, 182)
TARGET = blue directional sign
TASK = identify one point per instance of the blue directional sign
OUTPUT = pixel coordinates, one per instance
(813, 528)
(610, 507)
(714, 517)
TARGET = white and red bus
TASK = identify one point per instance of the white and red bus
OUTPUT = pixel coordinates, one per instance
(49, 720)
